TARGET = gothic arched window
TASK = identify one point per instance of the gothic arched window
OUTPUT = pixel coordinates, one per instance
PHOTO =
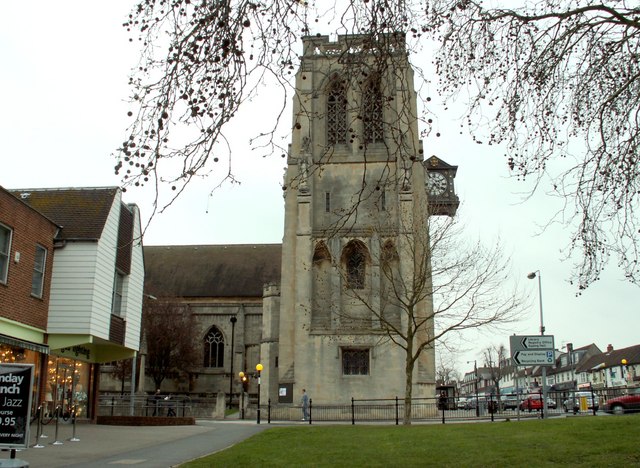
(372, 115)
(355, 263)
(336, 112)
(214, 348)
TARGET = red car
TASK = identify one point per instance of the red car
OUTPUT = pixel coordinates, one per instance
(532, 402)
(624, 404)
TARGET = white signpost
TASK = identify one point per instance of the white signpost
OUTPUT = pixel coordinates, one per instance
(533, 358)
(532, 350)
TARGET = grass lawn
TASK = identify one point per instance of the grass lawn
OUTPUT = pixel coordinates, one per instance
(572, 441)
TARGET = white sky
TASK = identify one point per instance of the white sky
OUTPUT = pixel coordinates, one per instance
(63, 89)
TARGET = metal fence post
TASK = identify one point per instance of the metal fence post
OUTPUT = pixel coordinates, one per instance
(269, 411)
(397, 411)
(493, 408)
(310, 409)
(353, 412)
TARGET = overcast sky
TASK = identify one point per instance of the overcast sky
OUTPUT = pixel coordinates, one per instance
(63, 83)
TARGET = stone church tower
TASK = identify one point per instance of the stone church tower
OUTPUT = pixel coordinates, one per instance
(356, 204)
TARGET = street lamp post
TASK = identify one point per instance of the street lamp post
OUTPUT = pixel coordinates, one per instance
(259, 370)
(532, 275)
(243, 382)
(233, 321)
(475, 385)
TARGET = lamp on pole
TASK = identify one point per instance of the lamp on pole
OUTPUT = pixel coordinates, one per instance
(475, 385)
(233, 321)
(243, 381)
(533, 275)
(259, 370)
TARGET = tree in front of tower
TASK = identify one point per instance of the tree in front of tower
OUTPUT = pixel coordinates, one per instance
(453, 285)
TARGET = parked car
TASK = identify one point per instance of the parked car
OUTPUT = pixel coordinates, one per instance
(624, 404)
(509, 401)
(573, 402)
(532, 402)
(551, 403)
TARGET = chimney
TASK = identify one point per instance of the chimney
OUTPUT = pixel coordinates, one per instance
(609, 348)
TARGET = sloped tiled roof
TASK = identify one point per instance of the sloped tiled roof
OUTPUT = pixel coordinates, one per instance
(611, 358)
(211, 270)
(82, 212)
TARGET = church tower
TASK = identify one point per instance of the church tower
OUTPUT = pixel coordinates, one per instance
(355, 238)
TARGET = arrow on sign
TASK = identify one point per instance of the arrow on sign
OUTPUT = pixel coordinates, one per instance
(533, 358)
(538, 342)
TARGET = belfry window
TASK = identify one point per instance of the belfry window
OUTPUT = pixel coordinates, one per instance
(336, 113)
(372, 114)
(355, 264)
(214, 348)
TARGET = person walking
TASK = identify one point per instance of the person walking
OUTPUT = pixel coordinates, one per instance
(304, 401)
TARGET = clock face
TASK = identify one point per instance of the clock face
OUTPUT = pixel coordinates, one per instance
(436, 183)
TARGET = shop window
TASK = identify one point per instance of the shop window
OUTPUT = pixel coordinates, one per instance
(68, 384)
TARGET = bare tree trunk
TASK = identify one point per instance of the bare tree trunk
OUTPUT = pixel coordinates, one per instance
(408, 391)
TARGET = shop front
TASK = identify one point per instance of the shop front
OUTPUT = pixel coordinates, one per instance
(73, 373)
(17, 351)
(68, 387)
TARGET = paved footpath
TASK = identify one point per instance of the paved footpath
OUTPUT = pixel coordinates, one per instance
(140, 447)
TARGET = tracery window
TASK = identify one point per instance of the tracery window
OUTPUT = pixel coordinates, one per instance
(372, 115)
(214, 348)
(355, 263)
(336, 113)
(355, 361)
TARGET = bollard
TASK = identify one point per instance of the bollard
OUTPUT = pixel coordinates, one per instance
(39, 429)
(73, 421)
(57, 442)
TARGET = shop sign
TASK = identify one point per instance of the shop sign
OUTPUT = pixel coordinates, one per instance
(77, 351)
(16, 382)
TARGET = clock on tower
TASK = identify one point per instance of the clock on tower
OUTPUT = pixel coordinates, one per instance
(440, 189)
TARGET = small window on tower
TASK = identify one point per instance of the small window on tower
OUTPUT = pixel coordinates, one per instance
(327, 202)
(355, 361)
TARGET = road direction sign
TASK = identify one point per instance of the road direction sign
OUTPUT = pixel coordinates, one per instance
(532, 350)
(524, 342)
(533, 358)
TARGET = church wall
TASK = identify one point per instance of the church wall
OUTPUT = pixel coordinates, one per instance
(319, 370)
